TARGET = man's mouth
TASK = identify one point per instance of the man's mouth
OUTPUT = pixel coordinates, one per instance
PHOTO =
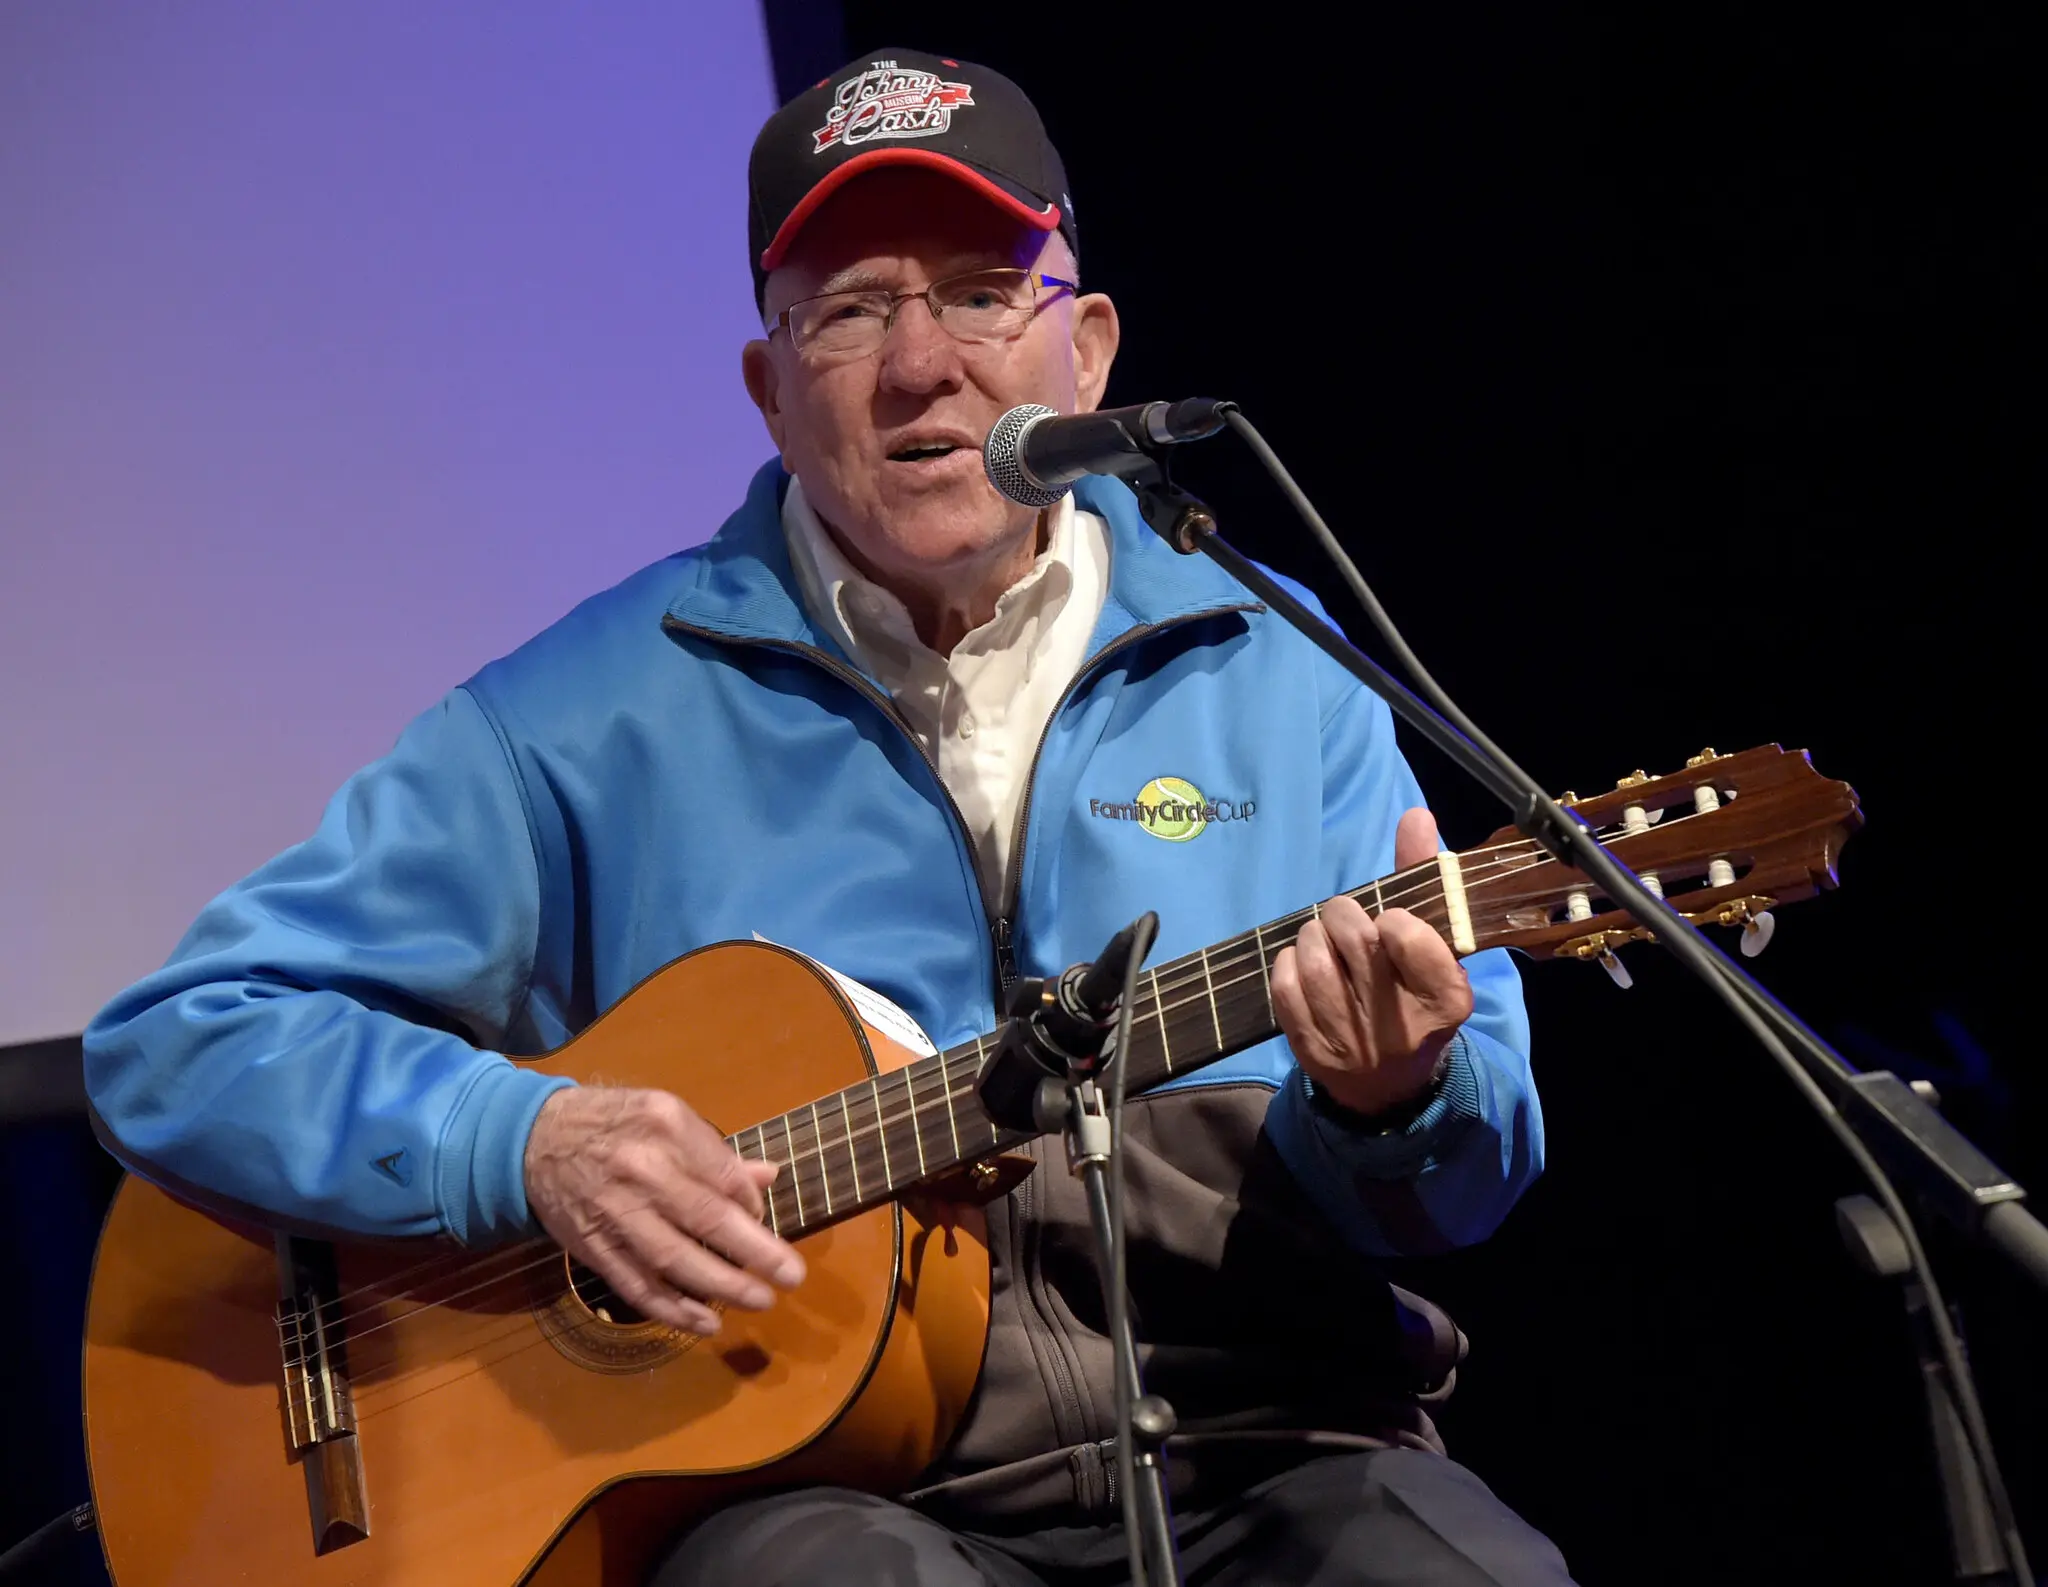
(921, 454)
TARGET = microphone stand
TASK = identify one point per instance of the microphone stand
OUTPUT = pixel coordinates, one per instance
(1076, 1108)
(1975, 1554)
(1020, 1073)
(1869, 1112)
(1899, 1124)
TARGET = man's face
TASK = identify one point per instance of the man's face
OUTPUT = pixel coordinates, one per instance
(860, 433)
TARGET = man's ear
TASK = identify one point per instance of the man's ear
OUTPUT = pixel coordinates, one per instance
(1097, 334)
(764, 385)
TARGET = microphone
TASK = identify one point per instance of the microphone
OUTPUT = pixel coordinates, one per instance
(1055, 1031)
(1079, 1006)
(1033, 455)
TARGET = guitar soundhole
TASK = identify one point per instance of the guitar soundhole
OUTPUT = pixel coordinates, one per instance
(600, 1299)
(587, 1321)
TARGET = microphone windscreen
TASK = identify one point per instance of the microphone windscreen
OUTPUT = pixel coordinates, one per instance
(1002, 456)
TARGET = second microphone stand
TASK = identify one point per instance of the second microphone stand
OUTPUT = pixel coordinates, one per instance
(1062, 1081)
(1077, 1109)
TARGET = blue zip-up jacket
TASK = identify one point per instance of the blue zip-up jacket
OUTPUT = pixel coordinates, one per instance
(686, 758)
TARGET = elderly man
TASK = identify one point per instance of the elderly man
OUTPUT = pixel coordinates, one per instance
(889, 718)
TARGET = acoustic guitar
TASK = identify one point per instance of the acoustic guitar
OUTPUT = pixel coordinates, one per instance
(268, 1409)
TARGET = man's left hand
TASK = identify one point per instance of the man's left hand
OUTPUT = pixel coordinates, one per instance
(1370, 1005)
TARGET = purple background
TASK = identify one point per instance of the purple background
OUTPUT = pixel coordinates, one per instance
(341, 348)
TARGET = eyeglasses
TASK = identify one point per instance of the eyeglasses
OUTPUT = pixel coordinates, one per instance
(981, 306)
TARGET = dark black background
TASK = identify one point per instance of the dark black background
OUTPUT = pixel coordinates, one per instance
(1661, 368)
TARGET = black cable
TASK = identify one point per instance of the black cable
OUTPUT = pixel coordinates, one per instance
(1118, 1298)
(33, 1559)
(1770, 1022)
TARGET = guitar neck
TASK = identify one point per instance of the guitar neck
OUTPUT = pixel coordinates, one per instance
(863, 1146)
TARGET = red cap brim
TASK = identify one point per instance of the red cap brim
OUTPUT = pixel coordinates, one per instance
(1045, 219)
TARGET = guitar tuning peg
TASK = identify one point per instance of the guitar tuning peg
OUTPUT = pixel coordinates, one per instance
(1757, 932)
(1636, 819)
(1617, 972)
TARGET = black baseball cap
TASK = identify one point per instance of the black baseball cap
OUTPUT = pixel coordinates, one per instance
(902, 107)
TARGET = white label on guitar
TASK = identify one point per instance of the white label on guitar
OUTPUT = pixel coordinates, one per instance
(876, 1009)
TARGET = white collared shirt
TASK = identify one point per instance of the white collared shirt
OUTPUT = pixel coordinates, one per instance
(979, 713)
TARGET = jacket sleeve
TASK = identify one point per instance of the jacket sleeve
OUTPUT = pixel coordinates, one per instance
(1450, 1177)
(314, 1052)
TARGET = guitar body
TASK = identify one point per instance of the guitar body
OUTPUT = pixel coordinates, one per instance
(506, 1433)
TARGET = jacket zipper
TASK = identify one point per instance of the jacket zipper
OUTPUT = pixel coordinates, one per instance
(1006, 957)
(1002, 928)
(1065, 1367)
(1025, 1250)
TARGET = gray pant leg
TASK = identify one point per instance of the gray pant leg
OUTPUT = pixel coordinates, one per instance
(1387, 1518)
(835, 1537)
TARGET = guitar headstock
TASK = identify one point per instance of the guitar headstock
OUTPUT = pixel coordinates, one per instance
(1725, 840)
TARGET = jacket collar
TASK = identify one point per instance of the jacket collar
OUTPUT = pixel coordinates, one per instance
(740, 583)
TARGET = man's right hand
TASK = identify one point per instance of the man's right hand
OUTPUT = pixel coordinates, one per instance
(638, 1188)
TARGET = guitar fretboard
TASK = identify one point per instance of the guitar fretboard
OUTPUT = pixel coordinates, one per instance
(863, 1146)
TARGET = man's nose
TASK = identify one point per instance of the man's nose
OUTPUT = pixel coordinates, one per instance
(918, 353)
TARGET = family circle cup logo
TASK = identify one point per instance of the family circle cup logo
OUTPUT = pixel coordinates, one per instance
(1173, 809)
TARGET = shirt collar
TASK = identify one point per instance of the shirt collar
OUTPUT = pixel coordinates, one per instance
(740, 585)
(873, 626)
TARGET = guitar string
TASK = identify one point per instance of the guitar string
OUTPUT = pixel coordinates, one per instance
(901, 1085)
(389, 1289)
(375, 1389)
(371, 1393)
(519, 1323)
(376, 1404)
(903, 1080)
(952, 1066)
(381, 1399)
(905, 1089)
(797, 1165)
(811, 1158)
(1387, 898)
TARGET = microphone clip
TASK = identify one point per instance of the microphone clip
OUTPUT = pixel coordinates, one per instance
(1179, 518)
(1053, 1038)
(1035, 1058)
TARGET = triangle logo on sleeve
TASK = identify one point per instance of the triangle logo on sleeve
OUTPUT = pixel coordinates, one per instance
(394, 1166)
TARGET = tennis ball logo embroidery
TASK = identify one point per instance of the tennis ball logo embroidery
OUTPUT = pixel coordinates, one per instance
(1177, 809)
(1173, 809)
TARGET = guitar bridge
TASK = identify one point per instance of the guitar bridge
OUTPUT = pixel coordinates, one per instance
(319, 1406)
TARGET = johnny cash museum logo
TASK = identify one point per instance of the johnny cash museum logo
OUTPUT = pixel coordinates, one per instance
(888, 101)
